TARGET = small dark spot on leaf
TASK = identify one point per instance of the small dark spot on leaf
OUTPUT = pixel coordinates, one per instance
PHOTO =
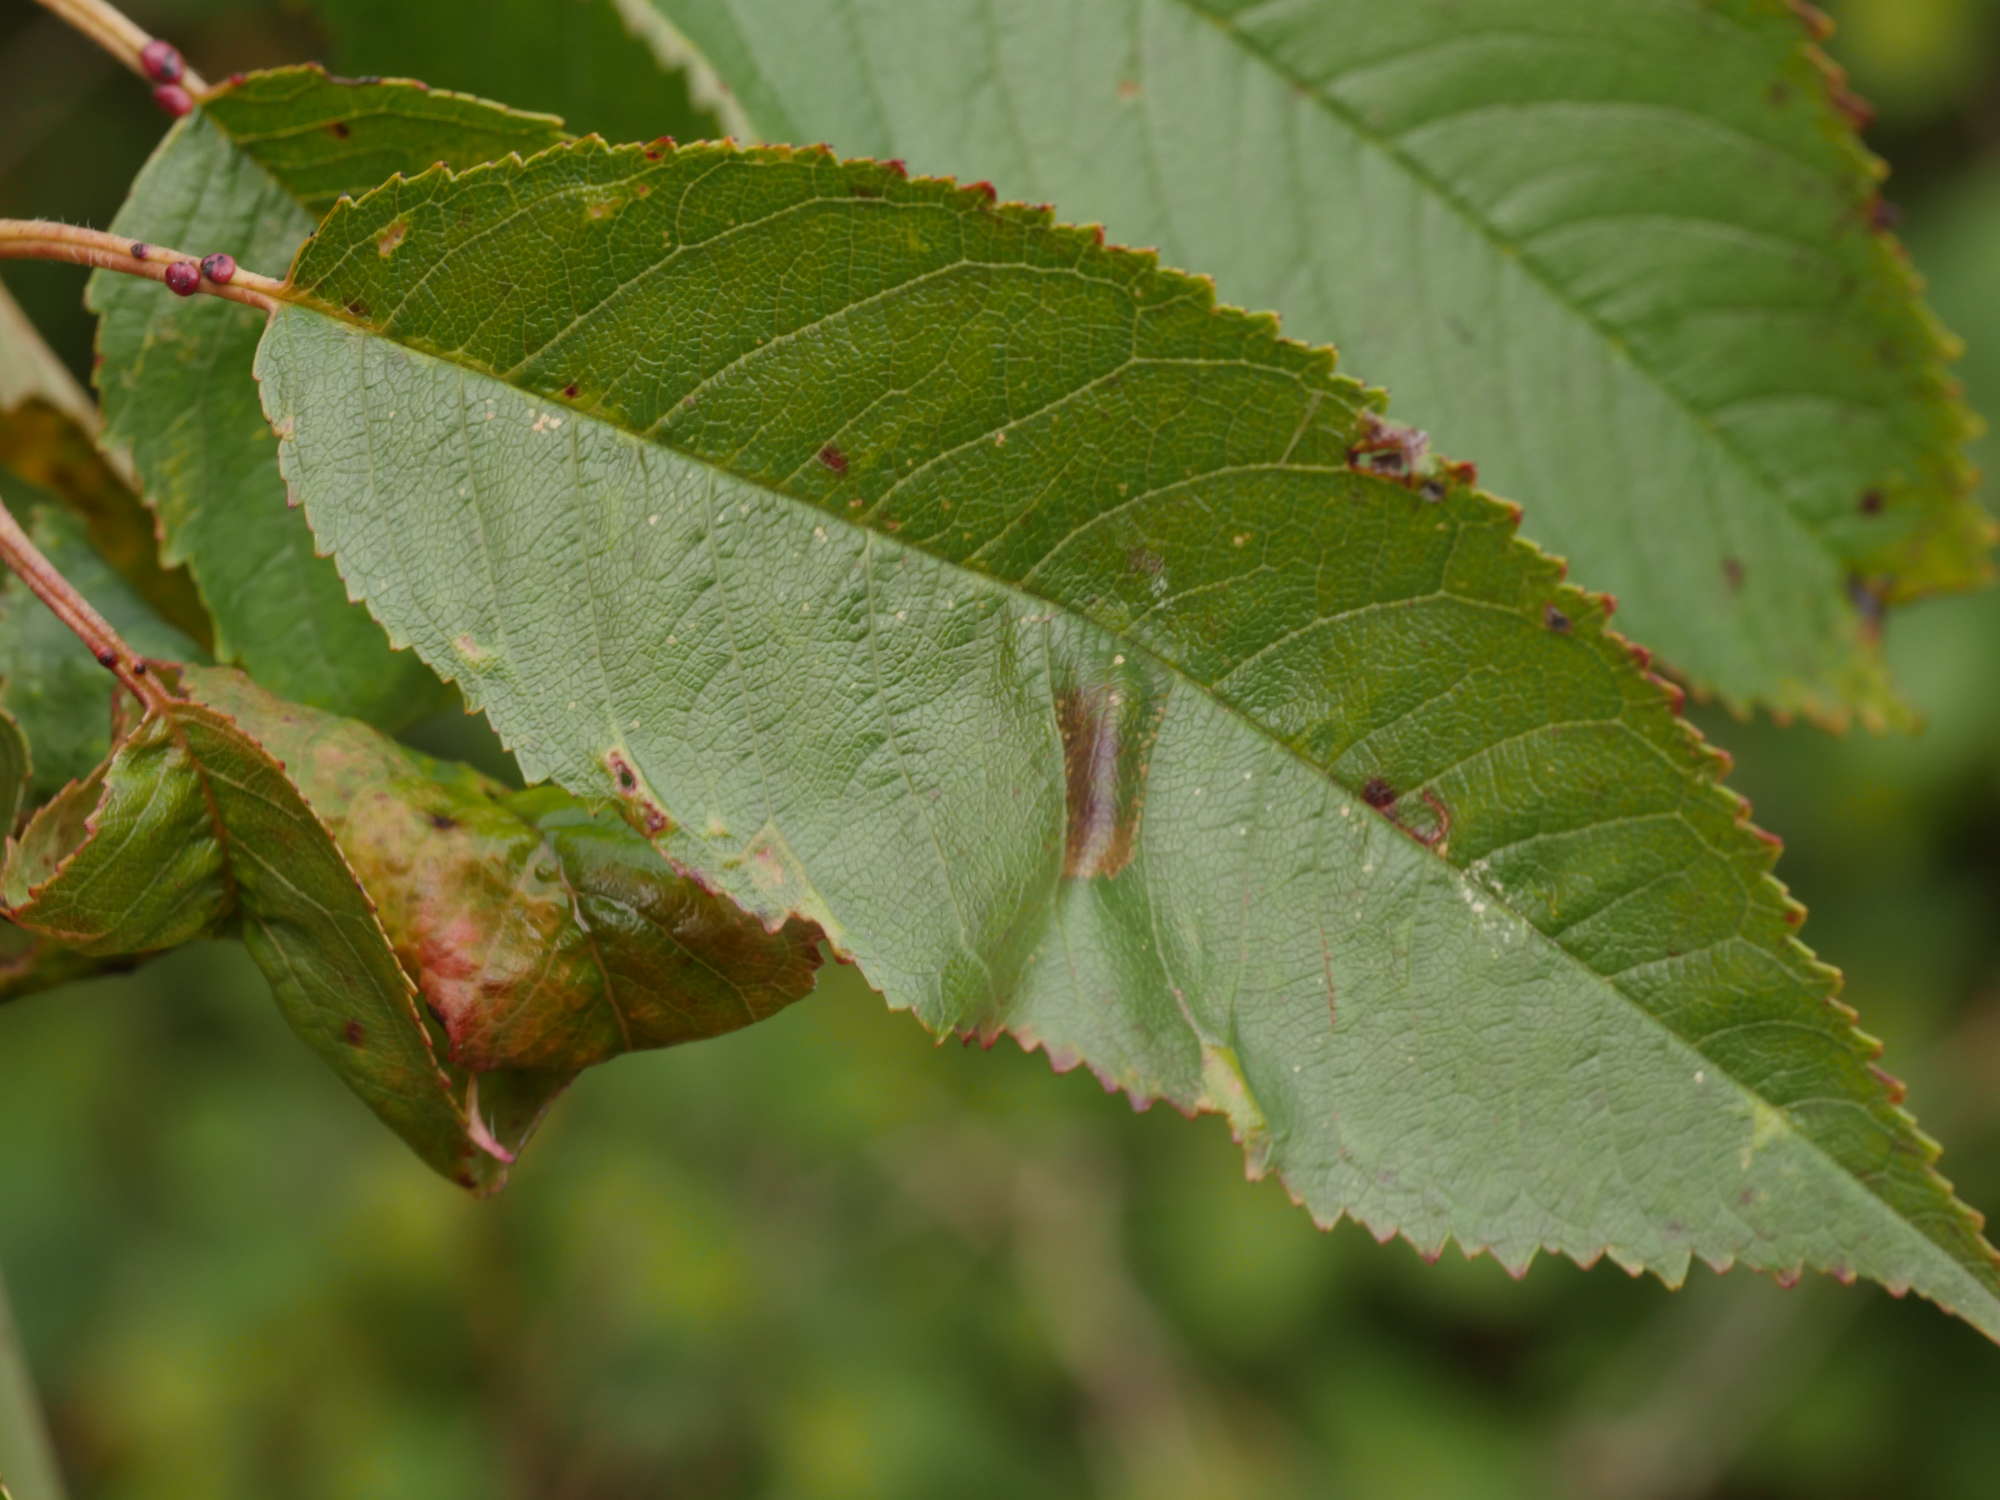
(1378, 793)
(1145, 560)
(1431, 490)
(570, 390)
(1732, 574)
(1871, 503)
(1883, 215)
(1556, 619)
(833, 458)
(622, 773)
(356, 1034)
(443, 822)
(340, 129)
(1867, 596)
(356, 306)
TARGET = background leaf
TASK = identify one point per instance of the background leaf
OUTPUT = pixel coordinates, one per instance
(1627, 253)
(1092, 664)
(14, 771)
(63, 699)
(572, 58)
(247, 172)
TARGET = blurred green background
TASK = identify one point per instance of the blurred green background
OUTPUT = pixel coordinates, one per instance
(824, 1258)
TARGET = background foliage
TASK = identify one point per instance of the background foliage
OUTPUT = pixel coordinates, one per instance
(821, 1258)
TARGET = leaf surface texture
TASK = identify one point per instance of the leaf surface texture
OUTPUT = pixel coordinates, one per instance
(1089, 662)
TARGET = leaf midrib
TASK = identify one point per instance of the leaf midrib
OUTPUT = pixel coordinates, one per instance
(1899, 1225)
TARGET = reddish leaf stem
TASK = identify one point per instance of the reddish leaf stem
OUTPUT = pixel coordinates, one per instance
(121, 37)
(28, 564)
(43, 239)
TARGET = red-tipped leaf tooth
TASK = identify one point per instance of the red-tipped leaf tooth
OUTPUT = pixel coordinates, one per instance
(895, 166)
(1897, 1089)
(1818, 24)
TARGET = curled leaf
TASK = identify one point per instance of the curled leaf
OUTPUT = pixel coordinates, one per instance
(540, 934)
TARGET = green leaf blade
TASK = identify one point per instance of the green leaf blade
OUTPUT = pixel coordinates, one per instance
(1092, 664)
(248, 172)
(1626, 253)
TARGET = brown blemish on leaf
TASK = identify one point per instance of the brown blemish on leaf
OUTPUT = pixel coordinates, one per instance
(833, 459)
(1128, 89)
(1378, 794)
(1438, 832)
(356, 1034)
(340, 129)
(1107, 729)
(1555, 619)
(356, 306)
(443, 822)
(640, 810)
(1388, 449)
(387, 241)
(1871, 503)
(1732, 574)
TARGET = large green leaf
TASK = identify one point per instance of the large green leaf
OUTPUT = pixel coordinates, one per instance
(1090, 662)
(1625, 251)
(247, 173)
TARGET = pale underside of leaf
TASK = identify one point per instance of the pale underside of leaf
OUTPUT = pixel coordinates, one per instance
(1072, 653)
(1624, 251)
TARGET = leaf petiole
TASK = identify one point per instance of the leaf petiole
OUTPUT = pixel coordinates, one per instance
(125, 40)
(44, 239)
